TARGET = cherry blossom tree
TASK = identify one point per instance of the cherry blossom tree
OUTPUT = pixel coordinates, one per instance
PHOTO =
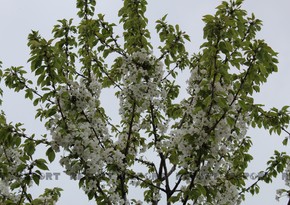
(177, 150)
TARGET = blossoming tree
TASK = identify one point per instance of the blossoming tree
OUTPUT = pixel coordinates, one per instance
(191, 150)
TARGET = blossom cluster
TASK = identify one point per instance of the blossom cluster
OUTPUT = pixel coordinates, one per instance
(80, 129)
(206, 138)
(203, 140)
(10, 162)
(142, 75)
(7, 194)
(283, 192)
(142, 93)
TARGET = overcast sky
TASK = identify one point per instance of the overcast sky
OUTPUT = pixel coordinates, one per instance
(18, 18)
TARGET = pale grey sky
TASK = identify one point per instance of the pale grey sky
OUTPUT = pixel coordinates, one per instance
(18, 18)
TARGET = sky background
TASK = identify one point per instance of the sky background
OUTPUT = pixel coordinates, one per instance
(18, 18)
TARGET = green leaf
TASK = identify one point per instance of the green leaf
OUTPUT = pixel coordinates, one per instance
(208, 18)
(29, 148)
(36, 178)
(41, 164)
(285, 141)
(201, 189)
(21, 167)
(50, 154)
